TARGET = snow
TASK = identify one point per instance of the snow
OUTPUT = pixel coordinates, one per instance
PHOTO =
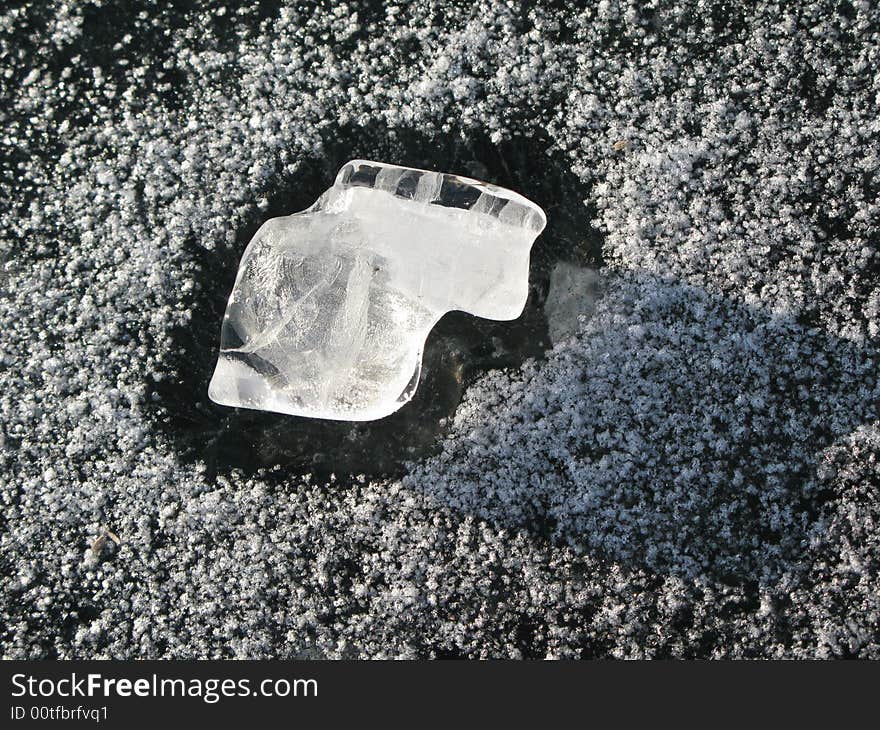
(694, 473)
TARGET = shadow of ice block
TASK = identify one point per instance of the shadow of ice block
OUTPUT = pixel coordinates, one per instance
(331, 307)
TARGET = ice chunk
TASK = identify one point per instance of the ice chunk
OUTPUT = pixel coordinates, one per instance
(331, 306)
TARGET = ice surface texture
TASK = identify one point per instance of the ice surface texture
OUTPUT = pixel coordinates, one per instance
(332, 306)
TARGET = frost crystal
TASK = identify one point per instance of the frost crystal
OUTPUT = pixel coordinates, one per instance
(331, 307)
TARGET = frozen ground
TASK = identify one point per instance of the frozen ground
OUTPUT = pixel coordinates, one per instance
(695, 473)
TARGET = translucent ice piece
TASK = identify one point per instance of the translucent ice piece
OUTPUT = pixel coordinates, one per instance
(332, 306)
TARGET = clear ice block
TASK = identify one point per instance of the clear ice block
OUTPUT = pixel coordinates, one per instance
(331, 307)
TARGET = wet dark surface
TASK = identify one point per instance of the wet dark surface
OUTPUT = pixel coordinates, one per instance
(460, 347)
